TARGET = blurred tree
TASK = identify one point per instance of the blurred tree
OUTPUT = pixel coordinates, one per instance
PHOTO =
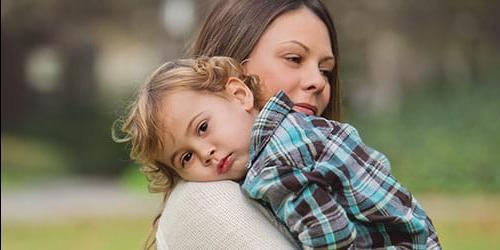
(388, 47)
(76, 119)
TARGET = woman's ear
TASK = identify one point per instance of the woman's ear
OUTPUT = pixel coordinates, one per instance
(240, 92)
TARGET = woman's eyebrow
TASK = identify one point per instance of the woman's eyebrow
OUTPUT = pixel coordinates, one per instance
(326, 58)
(298, 43)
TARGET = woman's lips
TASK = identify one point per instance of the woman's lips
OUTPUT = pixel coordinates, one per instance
(225, 164)
(305, 108)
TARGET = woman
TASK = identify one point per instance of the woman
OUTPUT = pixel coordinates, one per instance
(291, 45)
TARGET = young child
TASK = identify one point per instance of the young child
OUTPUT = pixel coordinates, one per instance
(198, 119)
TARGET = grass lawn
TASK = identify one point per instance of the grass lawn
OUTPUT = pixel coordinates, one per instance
(462, 223)
(469, 234)
(465, 222)
(77, 234)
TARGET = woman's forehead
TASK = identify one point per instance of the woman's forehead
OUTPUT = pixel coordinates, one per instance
(302, 18)
(301, 26)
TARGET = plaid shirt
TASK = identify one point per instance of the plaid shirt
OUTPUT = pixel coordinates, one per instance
(328, 188)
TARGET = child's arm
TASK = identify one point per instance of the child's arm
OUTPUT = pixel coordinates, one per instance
(346, 194)
(309, 211)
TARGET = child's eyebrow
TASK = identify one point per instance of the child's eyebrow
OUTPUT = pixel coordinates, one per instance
(172, 158)
(190, 124)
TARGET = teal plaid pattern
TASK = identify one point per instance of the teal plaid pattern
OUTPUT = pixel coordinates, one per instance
(328, 188)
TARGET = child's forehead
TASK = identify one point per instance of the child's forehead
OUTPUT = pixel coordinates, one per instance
(179, 98)
(183, 94)
(180, 106)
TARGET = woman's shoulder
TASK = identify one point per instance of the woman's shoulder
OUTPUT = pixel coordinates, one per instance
(203, 192)
(215, 214)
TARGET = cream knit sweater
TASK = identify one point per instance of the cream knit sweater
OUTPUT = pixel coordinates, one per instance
(216, 215)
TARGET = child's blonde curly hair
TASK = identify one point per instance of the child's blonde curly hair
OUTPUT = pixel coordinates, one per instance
(142, 127)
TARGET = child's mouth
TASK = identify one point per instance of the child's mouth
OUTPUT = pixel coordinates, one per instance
(225, 164)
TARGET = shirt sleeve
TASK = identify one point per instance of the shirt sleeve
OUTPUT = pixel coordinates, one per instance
(308, 210)
(349, 193)
(378, 198)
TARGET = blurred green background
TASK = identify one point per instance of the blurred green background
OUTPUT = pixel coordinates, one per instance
(420, 81)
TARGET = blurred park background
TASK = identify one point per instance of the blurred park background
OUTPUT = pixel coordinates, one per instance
(420, 79)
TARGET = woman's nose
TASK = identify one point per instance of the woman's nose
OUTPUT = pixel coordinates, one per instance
(315, 81)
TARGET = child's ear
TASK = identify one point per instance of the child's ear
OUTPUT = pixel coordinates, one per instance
(238, 90)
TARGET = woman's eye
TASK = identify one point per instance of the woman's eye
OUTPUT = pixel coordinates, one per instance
(203, 127)
(294, 59)
(327, 73)
(186, 158)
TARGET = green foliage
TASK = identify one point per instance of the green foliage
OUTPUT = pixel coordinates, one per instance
(441, 140)
(83, 134)
(29, 154)
(133, 179)
(28, 160)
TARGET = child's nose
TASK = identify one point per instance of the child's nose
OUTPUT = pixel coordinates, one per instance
(209, 156)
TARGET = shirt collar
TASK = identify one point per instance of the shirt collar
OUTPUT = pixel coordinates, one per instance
(269, 118)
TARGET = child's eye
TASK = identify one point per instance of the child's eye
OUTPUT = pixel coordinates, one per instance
(202, 128)
(185, 158)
